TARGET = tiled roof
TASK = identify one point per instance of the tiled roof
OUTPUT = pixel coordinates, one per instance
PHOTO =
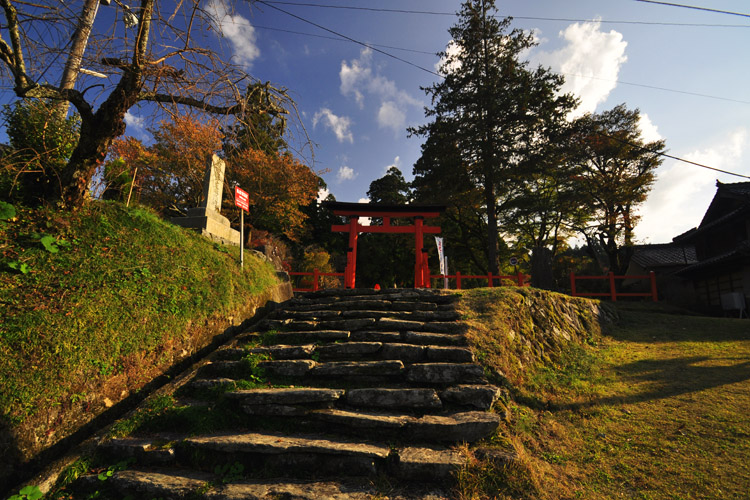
(739, 189)
(689, 235)
(664, 254)
(740, 253)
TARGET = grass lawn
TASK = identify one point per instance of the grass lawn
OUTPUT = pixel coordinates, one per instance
(660, 410)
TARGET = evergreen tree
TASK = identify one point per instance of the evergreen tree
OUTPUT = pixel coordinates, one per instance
(496, 109)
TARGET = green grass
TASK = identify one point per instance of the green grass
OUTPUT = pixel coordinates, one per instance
(95, 303)
(655, 408)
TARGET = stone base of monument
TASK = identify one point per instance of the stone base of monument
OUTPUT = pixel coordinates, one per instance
(210, 224)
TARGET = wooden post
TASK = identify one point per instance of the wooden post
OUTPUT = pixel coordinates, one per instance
(315, 280)
(458, 280)
(654, 293)
(351, 255)
(418, 250)
(573, 283)
(520, 278)
(489, 279)
(612, 289)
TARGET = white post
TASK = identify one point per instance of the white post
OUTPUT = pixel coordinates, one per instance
(445, 283)
(242, 238)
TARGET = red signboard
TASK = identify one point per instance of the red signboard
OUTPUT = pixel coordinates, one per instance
(241, 199)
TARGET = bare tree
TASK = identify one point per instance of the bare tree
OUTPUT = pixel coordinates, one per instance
(161, 54)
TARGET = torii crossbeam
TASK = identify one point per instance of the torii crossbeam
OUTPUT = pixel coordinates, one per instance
(353, 211)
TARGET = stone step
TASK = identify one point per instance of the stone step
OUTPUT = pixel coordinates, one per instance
(332, 295)
(287, 455)
(280, 351)
(297, 337)
(409, 337)
(284, 401)
(387, 323)
(327, 315)
(365, 304)
(174, 484)
(413, 399)
(444, 428)
(431, 374)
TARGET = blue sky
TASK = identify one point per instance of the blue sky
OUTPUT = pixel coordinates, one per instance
(356, 103)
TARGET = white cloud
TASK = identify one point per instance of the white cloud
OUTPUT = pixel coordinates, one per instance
(346, 174)
(364, 221)
(396, 163)
(359, 78)
(391, 116)
(682, 192)
(649, 132)
(322, 195)
(590, 62)
(340, 125)
(137, 126)
(451, 50)
(238, 30)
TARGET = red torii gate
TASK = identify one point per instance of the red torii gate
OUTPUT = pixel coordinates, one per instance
(356, 210)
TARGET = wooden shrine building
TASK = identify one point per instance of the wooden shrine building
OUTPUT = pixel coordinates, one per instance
(418, 213)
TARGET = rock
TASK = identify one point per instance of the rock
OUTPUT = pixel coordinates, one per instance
(478, 396)
(399, 324)
(452, 354)
(394, 398)
(287, 368)
(349, 349)
(428, 338)
(433, 464)
(286, 396)
(404, 352)
(444, 373)
(361, 420)
(371, 336)
(455, 428)
(284, 351)
(354, 368)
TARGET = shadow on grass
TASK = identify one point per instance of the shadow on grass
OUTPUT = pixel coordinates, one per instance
(665, 378)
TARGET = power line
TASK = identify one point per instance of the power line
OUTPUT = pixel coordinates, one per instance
(339, 39)
(706, 9)
(685, 92)
(527, 18)
(665, 155)
(263, 2)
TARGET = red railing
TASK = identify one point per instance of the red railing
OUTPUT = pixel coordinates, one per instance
(520, 278)
(613, 293)
(315, 279)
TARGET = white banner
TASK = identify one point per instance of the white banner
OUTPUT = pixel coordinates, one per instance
(441, 254)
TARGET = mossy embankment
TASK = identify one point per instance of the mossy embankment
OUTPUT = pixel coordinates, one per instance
(98, 303)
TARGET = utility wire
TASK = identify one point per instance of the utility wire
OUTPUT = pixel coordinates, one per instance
(441, 76)
(339, 39)
(262, 2)
(665, 155)
(706, 9)
(528, 18)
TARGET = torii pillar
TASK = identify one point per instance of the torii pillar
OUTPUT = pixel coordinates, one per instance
(386, 212)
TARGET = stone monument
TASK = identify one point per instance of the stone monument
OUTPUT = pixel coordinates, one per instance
(207, 218)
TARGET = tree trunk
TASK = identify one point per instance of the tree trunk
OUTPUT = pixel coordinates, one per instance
(492, 233)
(541, 268)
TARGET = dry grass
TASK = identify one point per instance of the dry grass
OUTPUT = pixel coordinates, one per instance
(658, 409)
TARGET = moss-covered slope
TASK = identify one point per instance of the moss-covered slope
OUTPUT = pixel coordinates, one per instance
(97, 303)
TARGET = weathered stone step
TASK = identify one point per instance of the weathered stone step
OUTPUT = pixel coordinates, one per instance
(284, 401)
(354, 351)
(327, 315)
(382, 323)
(409, 337)
(445, 373)
(354, 305)
(445, 428)
(288, 455)
(421, 399)
(412, 294)
(297, 337)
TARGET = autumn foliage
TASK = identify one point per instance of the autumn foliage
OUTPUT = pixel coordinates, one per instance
(171, 171)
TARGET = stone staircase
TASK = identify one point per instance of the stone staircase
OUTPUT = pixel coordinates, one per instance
(364, 394)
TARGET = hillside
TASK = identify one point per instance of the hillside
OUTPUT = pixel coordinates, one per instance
(96, 304)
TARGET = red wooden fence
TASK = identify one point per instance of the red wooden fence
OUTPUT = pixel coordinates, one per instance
(613, 293)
